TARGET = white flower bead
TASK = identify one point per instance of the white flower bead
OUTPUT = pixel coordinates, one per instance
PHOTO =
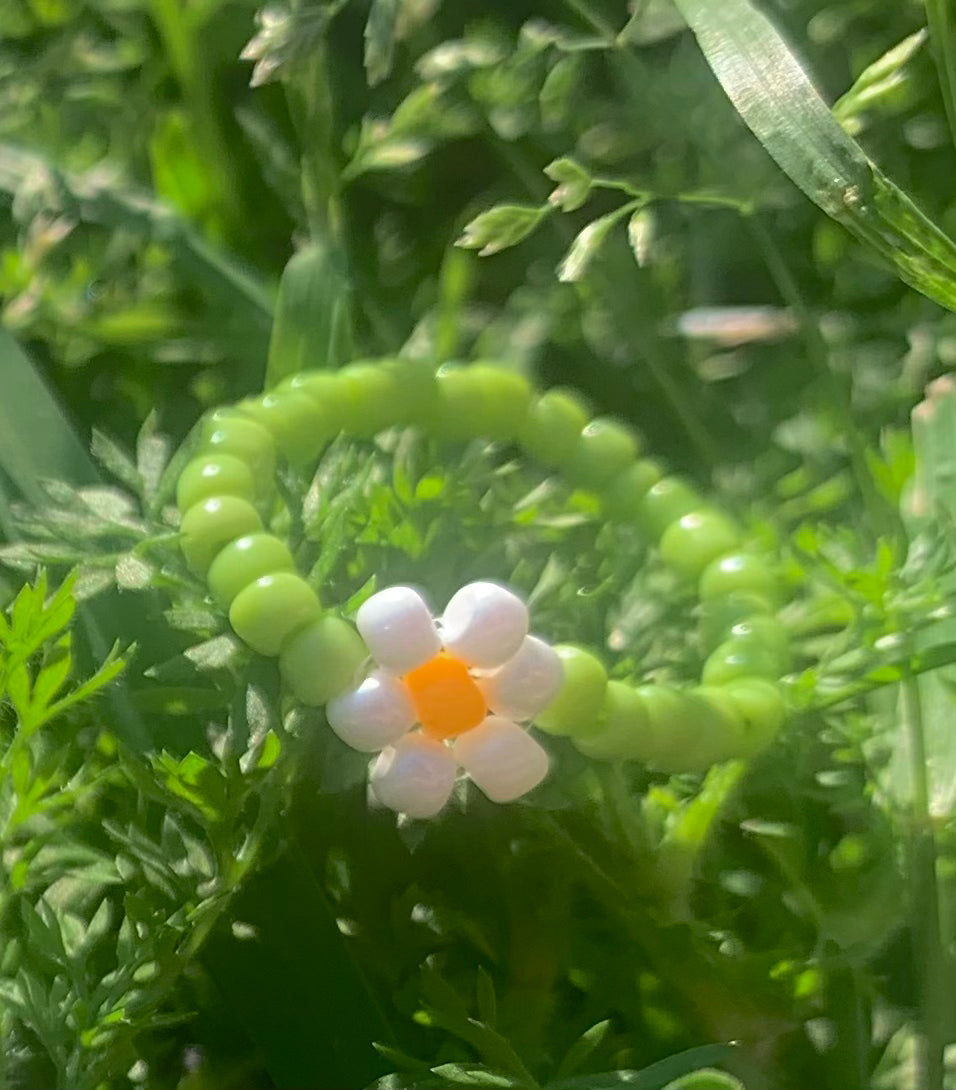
(415, 776)
(503, 760)
(484, 625)
(374, 715)
(397, 626)
(527, 683)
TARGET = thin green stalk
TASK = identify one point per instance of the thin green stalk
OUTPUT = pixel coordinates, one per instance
(924, 906)
(881, 513)
(941, 16)
(185, 59)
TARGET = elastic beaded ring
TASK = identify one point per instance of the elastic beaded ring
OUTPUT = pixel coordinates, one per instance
(453, 693)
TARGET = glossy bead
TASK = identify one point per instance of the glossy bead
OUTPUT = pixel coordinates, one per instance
(374, 398)
(605, 449)
(479, 401)
(737, 572)
(374, 715)
(322, 660)
(719, 615)
(623, 730)
(527, 683)
(664, 503)
(292, 420)
(327, 394)
(675, 721)
(415, 776)
(736, 658)
(484, 624)
(576, 709)
(761, 705)
(551, 431)
(274, 607)
(504, 400)
(695, 539)
(208, 526)
(227, 432)
(502, 759)
(214, 475)
(719, 727)
(243, 561)
(446, 699)
(766, 633)
(622, 494)
(398, 628)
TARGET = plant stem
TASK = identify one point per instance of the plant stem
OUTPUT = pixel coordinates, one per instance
(884, 519)
(941, 17)
(184, 56)
(925, 917)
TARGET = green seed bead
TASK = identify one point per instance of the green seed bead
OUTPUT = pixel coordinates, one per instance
(606, 448)
(695, 539)
(505, 400)
(323, 660)
(479, 401)
(208, 526)
(691, 731)
(577, 707)
(225, 431)
(623, 495)
(552, 429)
(242, 562)
(736, 658)
(663, 504)
(734, 572)
(267, 612)
(327, 394)
(419, 382)
(214, 475)
(766, 633)
(623, 731)
(293, 422)
(719, 615)
(721, 727)
(761, 705)
(375, 398)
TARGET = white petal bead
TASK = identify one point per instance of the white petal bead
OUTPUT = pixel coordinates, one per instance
(415, 776)
(374, 715)
(484, 624)
(397, 626)
(527, 683)
(502, 759)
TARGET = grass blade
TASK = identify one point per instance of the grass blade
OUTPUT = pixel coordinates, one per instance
(775, 97)
(36, 438)
(941, 16)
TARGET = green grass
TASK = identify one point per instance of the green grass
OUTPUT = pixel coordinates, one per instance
(194, 893)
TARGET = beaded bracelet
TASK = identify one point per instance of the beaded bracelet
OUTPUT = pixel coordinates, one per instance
(431, 697)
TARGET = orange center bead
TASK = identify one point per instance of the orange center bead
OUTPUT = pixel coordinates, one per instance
(446, 698)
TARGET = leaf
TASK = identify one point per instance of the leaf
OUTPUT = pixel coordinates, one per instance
(36, 438)
(380, 39)
(583, 1048)
(640, 235)
(774, 96)
(115, 460)
(708, 1079)
(878, 81)
(574, 183)
(476, 1075)
(586, 245)
(655, 1077)
(500, 227)
(313, 322)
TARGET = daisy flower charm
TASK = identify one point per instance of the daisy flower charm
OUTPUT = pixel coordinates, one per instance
(447, 694)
